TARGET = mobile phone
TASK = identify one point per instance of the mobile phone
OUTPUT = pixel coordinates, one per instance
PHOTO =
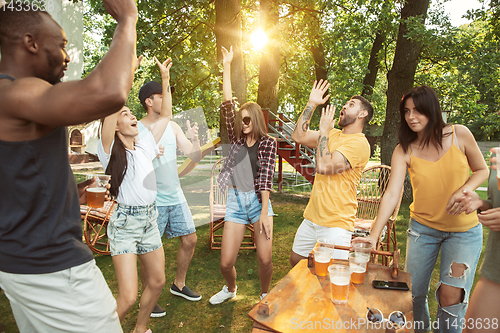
(395, 285)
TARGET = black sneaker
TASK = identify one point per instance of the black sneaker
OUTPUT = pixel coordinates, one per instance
(185, 292)
(158, 312)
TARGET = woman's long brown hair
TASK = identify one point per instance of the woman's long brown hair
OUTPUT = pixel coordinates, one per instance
(427, 103)
(258, 121)
(117, 166)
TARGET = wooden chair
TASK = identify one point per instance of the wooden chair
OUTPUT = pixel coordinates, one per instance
(218, 211)
(371, 188)
(95, 225)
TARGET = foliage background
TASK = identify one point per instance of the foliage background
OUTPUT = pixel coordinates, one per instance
(461, 63)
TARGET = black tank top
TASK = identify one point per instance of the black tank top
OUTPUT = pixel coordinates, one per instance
(40, 224)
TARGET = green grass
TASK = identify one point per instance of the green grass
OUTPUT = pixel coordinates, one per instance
(204, 274)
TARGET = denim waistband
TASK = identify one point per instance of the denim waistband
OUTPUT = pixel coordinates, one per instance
(237, 190)
(132, 210)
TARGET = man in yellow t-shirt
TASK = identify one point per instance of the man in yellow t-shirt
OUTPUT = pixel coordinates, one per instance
(341, 157)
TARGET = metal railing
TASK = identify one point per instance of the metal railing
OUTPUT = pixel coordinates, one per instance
(288, 129)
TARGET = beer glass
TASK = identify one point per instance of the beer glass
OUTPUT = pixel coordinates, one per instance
(340, 276)
(322, 256)
(97, 190)
(357, 262)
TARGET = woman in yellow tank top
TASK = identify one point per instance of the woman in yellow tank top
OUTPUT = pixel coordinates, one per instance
(438, 158)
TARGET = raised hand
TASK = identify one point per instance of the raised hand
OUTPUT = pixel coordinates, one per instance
(164, 68)
(327, 121)
(193, 131)
(317, 92)
(227, 56)
(138, 62)
(120, 10)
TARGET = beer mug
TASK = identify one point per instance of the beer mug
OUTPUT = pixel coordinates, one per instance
(340, 277)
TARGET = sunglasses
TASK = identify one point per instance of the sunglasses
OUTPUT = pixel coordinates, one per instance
(396, 319)
(247, 120)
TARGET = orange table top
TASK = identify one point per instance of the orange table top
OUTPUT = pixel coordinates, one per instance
(301, 302)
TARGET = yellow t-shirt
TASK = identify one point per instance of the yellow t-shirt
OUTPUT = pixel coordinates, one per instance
(333, 197)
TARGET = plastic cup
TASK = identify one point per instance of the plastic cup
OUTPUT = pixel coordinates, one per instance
(364, 250)
(325, 242)
(340, 276)
(97, 190)
(322, 256)
(358, 265)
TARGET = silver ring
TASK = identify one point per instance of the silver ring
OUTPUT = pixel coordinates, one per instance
(261, 231)
(268, 238)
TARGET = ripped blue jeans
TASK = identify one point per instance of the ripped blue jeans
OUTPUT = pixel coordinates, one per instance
(423, 245)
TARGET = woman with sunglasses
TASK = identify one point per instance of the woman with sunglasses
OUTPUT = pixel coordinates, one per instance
(438, 157)
(248, 174)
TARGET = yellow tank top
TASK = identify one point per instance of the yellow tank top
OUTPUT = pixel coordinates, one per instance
(433, 184)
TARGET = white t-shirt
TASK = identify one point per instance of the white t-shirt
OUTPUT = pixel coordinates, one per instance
(139, 184)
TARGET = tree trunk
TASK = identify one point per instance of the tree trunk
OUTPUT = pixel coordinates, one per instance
(373, 64)
(318, 53)
(269, 67)
(401, 78)
(228, 33)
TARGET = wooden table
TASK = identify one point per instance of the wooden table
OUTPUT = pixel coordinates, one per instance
(301, 302)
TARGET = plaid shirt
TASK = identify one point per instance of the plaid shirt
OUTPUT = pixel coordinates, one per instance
(266, 155)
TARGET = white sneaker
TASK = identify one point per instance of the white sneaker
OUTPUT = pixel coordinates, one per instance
(262, 296)
(223, 295)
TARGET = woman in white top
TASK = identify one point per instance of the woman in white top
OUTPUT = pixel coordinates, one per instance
(132, 230)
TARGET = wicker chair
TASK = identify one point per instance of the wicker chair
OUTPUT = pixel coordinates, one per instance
(218, 211)
(95, 224)
(371, 188)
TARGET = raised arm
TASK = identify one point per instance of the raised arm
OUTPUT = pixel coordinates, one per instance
(301, 133)
(227, 58)
(228, 107)
(390, 198)
(328, 163)
(101, 93)
(166, 100)
(108, 131)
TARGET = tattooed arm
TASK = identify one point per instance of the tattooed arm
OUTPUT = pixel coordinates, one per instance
(301, 133)
(328, 163)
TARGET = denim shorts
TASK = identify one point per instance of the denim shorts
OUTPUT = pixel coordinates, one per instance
(133, 229)
(175, 220)
(244, 207)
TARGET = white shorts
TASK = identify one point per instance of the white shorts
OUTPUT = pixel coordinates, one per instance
(76, 299)
(308, 234)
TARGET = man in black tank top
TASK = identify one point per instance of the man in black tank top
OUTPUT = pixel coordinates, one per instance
(46, 271)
